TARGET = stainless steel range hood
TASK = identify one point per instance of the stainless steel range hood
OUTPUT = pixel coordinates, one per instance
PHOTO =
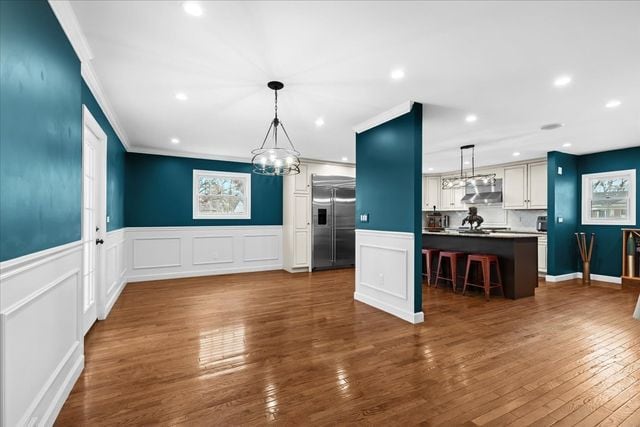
(482, 194)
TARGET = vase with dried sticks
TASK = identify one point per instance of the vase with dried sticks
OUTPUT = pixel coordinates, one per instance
(585, 254)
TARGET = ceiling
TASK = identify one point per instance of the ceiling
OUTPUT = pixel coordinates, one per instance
(497, 60)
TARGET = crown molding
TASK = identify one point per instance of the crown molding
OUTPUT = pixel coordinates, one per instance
(188, 154)
(70, 25)
(381, 118)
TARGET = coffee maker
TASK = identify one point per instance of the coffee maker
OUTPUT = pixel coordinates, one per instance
(435, 221)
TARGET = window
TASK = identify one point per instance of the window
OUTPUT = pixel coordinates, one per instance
(609, 198)
(221, 195)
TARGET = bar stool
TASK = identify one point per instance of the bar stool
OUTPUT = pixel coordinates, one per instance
(486, 261)
(428, 254)
(453, 267)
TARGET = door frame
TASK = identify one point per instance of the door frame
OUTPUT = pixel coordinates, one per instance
(101, 292)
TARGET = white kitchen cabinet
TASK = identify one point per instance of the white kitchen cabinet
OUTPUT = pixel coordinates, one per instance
(301, 181)
(525, 186)
(450, 200)
(537, 185)
(542, 254)
(300, 245)
(514, 187)
(430, 192)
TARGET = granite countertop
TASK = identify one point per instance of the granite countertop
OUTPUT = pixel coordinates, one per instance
(500, 235)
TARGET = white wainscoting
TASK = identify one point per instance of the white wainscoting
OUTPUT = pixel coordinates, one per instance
(385, 272)
(42, 346)
(172, 252)
(115, 271)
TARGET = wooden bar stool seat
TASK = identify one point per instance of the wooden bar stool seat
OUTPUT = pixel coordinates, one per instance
(452, 257)
(486, 261)
(427, 254)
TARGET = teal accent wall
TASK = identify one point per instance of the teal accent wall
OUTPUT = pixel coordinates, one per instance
(607, 254)
(565, 199)
(389, 182)
(563, 196)
(40, 131)
(158, 192)
(115, 162)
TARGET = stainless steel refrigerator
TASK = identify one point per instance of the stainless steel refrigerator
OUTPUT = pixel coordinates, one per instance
(334, 221)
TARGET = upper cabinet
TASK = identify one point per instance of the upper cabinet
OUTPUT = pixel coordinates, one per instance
(525, 186)
(430, 192)
(451, 200)
(301, 181)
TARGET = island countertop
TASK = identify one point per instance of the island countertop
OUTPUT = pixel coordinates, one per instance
(516, 252)
(492, 235)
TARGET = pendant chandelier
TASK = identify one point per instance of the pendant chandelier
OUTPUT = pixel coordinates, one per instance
(271, 158)
(469, 177)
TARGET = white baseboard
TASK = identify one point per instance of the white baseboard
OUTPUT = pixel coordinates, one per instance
(561, 277)
(50, 415)
(114, 296)
(578, 275)
(408, 316)
(185, 274)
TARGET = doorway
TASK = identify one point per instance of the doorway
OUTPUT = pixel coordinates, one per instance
(94, 142)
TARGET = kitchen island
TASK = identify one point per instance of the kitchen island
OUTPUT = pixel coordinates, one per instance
(517, 253)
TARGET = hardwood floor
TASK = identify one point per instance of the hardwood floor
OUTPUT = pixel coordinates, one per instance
(296, 349)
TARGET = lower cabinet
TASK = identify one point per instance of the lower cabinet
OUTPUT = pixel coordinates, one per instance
(542, 254)
(300, 245)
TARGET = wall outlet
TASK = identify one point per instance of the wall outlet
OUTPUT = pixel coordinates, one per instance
(559, 170)
(108, 219)
(560, 219)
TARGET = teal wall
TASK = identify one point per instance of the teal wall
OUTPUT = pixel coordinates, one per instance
(607, 258)
(115, 162)
(389, 181)
(40, 131)
(563, 196)
(565, 199)
(159, 192)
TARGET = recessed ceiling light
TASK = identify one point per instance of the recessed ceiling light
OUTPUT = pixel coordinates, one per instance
(613, 103)
(319, 121)
(467, 162)
(471, 118)
(562, 81)
(566, 144)
(397, 74)
(181, 96)
(344, 159)
(193, 8)
(516, 153)
(551, 126)
(430, 169)
(175, 141)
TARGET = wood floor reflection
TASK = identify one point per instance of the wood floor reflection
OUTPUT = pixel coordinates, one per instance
(275, 347)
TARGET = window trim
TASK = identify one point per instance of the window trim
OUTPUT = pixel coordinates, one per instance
(586, 198)
(220, 174)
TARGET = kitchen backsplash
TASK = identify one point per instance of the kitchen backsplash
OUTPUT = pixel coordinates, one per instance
(498, 217)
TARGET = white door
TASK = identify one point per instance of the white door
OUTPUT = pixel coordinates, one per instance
(93, 140)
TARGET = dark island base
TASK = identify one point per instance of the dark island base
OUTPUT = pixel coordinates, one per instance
(518, 258)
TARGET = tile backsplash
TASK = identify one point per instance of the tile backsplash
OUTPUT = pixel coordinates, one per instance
(495, 216)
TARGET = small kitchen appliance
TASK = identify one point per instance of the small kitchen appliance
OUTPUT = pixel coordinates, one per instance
(541, 223)
(435, 221)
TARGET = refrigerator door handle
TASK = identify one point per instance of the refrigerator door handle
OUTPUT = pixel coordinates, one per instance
(333, 225)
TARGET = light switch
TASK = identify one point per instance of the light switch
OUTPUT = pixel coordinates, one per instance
(108, 219)
(560, 219)
(559, 170)
(364, 217)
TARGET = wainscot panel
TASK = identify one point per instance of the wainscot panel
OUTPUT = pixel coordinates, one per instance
(384, 267)
(41, 328)
(171, 252)
(115, 271)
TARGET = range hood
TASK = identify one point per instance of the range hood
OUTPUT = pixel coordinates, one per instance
(483, 194)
